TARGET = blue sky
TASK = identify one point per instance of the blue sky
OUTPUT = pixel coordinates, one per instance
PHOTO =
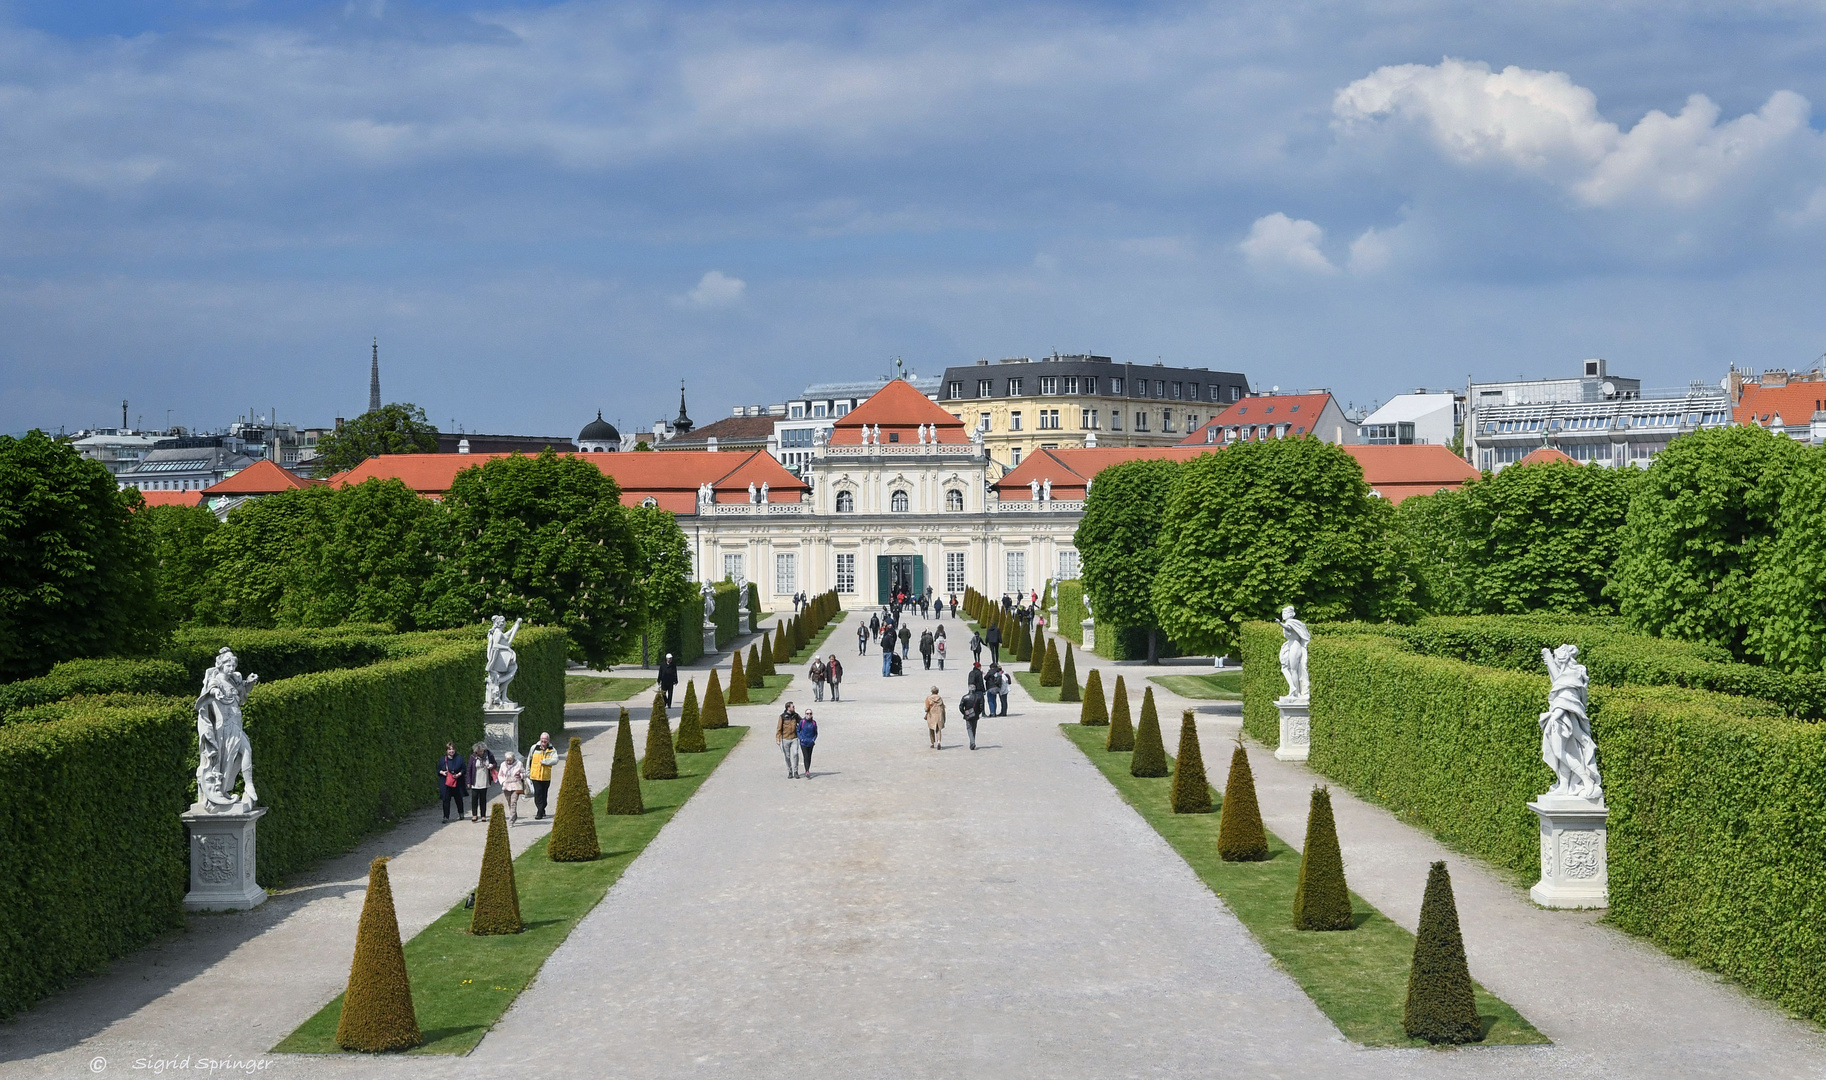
(541, 210)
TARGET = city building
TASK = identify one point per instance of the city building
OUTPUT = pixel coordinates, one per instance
(117, 448)
(186, 468)
(1595, 417)
(731, 433)
(1793, 403)
(1277, 416)
(1416, 419)
(258, 479)
(800, 423)
(1023, 405)
(463, 442)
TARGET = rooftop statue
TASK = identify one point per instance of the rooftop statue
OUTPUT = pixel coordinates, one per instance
(224, 753)
(502, 663)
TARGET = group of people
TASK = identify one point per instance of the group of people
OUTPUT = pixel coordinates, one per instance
(467, 780)
(826, 673)
(971, 707)
(797, 737)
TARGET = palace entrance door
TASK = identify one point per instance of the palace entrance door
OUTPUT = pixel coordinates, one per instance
(899, 573)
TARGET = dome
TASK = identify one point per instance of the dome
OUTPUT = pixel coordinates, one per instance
(598, 435)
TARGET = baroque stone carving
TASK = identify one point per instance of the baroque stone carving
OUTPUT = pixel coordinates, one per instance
(1566, 743)
(1579, 854)
(224, 753)
(502, 663)
(215, 859)
(1293, 654)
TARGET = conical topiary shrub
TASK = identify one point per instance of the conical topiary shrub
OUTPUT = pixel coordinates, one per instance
(624, 776)
(766, 665)
(716, 715)
(659, 762)
(738, 681)
(1150, 754)
(497, 909)
(1321, 901)
(1240, 836)
(1094, 713)
(1122, 730)
(1068, 677)
(573, 837)
(377, 1012)
(1441, 1006)
(1050, 675)
(1026, 645)
(1191, 791)
(754, 670)
(690, 739)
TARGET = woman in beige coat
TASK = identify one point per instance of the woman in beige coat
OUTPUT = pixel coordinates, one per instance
(935, 718)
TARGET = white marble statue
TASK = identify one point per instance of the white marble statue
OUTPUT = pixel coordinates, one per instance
(818, 436)
(709, 592)
(1293, 654)
(1046, 490)
(1087, 604)
(224, 753)
(877, 434)
(751, 491)
(502, 663)
(763, 491)
(1566, 743)
(976, 436)
(706, 495)
(1087, 486)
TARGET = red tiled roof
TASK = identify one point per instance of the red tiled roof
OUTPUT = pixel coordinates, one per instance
(1795, 403)
(670, 478)
(1296, 410)
(1397, 472)
(172, 498)
(1394, 472)
(1069, 468)
(261, 478)
(1547, 455)
(899, 409)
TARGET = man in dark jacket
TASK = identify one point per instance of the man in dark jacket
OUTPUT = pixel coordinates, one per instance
(976, 677)
(668, 678)
(906, 642)
(926, 644)
(993, 639)
(976, 647)
(971, 709)
(874, 624)
(887, 650)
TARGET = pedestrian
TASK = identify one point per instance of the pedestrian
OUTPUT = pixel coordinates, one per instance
(976, 646)
(513, 784)
(971, 708)
(906, 641)
(808, 738)
(481, 774)
(925, 648)
(887, 650)
(939, 633)
(450, 771)
(993, 639)
(991, 684)
(1002, 682)
(925, 608)
(787, 737)
(975, 678)
(817, 674)
(875, 623)
(935, 718)
(862, 640)
(668, 678)
(833, 674)
(539, 762)
(941, 654)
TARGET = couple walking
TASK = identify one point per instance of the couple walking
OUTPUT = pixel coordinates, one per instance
(796, 736)
(970, 709)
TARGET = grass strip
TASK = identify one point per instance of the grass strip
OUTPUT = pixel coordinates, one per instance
(804, 656)
(1030, 682)
(582, 688)
(1358, 978)
(462, 984)
(765, 694)
(1224, 686)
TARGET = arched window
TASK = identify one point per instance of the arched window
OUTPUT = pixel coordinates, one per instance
(954, 500)
(899, 502)
(846, 502)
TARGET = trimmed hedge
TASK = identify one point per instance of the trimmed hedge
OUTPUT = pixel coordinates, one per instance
(105, 676)
(1071, 612)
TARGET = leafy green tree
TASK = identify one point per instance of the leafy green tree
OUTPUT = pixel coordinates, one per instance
(663, 573)
(1697, 520)
(1118, 543)
(1788, 607)
(266, 557)
(378, 552)
(399, 428)
(77, 570)
(1262, 524)
(180, 538)
(545, 539)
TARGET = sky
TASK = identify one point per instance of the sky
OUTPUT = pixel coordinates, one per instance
(211, 207)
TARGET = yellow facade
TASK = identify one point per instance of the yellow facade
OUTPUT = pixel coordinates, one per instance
(1016, 427)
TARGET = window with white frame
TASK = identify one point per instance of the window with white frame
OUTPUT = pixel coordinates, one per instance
(954, 500)
(1090, 384)
(1014, 387)
(1068, 565)
(1049, 419)
(1049, 384)
(786, 573)
(1014, 456)
(1166, 419)
(1115, 419)
(1015, 580)
(846, 572)
(899, 502)
(1178, 388)
(1141, 421)
(954, 571)
(982, 421)
(955, 390)
(817, 410)
(1014, 420)
(1071, 384)
(732, 565)
(1115, 386)
(846, 502)
(985, 387)
(1087, 419)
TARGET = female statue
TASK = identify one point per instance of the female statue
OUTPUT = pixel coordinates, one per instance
(224, 753)
(502, 664)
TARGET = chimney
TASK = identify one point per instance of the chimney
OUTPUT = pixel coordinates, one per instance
(123, 414)
(462, 446)
(710, 444)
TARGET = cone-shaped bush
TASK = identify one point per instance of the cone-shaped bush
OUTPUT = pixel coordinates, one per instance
(1068, 678)
(1321, 901)
(754, 670)
(624, 777)
(659, 763)
(377, 1011)
(573, 837)
(1150, 754)
(1035, 652)
(716, 715)
(1441, 1007)
(1026, 644)
(1240, 836)
(1122, 730)
(690, 724)
(738, 681)
(1191, 791)
(1050, 675)
(1095, 712)
(497, 909)
(767, 654)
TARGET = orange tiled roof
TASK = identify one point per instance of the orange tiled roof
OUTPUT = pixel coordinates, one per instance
(1547, 455)
(1795, 403)
(172, 498)
(261, 478)
(1394, 472)
(899, 409)
(1298, 411)
(1397, 472)
(671, 478)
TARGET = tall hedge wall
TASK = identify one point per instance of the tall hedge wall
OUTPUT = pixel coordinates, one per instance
(1071, 611)
(104, 676)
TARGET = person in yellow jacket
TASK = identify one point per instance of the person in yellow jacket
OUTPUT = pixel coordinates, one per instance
(539, 761)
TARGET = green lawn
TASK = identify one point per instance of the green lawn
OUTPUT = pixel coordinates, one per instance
(804, 656)
(1357, 977)
(462, 984)
(764, 695)
(581, 688)
(1224, 686)
(1030, 682)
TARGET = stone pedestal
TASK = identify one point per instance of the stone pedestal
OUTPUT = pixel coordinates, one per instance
(1089, 626)
(1574, 837)
(222, 861)
(1296, 729)
(709, 639)
(501, 731)
(744, 625)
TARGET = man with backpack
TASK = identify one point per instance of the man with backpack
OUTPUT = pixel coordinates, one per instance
(971, 708)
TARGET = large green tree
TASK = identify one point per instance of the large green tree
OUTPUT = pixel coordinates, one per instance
(180, 538)
(1262, 524)
(399, 428)
(1118, 543)
(378, 552)
(265, 560)
(545, 539)
(1787, 602)
(664, 570)
(77, 576)
(1698, 518)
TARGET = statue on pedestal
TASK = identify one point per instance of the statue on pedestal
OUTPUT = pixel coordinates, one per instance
(1046, 490)
(709, 592)
(1293, 654)
(502, 663)
(1034, 485)
(763, 491)
(224, 753)
(1566, 743)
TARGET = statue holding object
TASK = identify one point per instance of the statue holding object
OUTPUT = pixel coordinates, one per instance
(1293, 654)
(502, 663)
(1566, 743)
(224, 753)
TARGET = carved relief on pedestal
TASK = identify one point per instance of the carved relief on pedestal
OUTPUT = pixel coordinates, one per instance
(1579, 854)
(215, 859)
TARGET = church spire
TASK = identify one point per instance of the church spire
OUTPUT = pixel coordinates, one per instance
(683, 424)
(374, 380)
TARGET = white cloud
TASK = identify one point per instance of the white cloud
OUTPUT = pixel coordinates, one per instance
(716, 289)
(1542, 122)
(1278, 242)
(1370, 252)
